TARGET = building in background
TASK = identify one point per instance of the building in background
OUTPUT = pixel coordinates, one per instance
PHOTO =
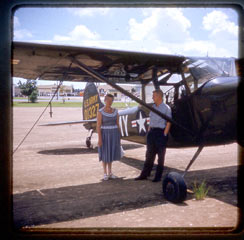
(16, 91)
(118, 96)
(49, 90)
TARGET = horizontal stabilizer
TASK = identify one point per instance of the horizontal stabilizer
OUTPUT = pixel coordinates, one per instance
(69, 123)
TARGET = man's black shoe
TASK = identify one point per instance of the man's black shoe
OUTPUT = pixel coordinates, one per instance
(156, 180)
(140, 178)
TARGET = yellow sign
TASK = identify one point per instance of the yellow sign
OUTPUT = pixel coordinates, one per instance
(91, 112)
(91, 107)
(91, 100)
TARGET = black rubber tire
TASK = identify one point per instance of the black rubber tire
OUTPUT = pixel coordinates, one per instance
(88, 142)
(174, 187)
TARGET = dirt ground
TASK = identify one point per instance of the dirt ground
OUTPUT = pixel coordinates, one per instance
(57, 181)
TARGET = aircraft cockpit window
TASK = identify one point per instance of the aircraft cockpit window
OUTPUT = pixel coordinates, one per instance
(200, 71)
(190, 81)
(172, 93)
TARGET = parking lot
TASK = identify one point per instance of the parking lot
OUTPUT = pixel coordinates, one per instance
(57, 181)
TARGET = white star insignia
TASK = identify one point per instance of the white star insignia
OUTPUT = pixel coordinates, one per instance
(141, 123)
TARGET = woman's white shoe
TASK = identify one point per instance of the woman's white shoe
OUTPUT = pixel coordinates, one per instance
(112, 176)
(105, 177)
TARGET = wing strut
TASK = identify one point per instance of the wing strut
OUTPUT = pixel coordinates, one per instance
(101, 78)
(193, 159)
(49, 103)
(37, 119)
(155, 79)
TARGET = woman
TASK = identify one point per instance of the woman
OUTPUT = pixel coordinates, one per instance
(108, 136)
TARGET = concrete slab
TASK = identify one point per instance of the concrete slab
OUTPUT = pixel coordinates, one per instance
(57, 181)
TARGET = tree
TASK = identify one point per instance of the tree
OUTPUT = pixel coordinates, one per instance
(33, 96)
(29, 89)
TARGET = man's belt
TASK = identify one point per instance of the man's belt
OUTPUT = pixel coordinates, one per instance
(156, 128)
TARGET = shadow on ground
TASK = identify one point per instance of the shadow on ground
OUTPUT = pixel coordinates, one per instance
(76, 202)
(82, 150)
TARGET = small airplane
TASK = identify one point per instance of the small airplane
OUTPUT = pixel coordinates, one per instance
(201, 91)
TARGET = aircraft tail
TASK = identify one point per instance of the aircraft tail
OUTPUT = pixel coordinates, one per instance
(91, 102)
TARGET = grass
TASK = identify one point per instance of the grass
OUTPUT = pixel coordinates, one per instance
(44, 104)
(67, 104)
(200, 190)
(21, 98)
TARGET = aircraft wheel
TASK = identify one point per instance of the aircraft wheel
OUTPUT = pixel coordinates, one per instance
(88, 142)
(174, 187)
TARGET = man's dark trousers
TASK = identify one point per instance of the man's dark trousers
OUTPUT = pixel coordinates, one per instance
(156, 144)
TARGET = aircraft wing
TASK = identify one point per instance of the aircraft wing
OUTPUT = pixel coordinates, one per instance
(55, 62)
(70, 123)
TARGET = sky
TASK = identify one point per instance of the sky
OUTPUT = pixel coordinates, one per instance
(180, 31)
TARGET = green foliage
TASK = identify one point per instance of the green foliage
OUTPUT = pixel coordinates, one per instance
(44, 104)
(33, 96)
(119, 105)
(200, 190)
(29, 89)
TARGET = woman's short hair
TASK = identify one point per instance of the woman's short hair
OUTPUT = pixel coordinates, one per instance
(110, 95)
(159, 92)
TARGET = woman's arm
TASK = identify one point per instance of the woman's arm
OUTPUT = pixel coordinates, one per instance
(117, 121)
(99, 124)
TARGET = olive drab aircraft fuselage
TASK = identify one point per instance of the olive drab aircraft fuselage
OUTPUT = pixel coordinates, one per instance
(134, 122)
(201, 92)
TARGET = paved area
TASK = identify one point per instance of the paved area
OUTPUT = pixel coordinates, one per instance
(57, 181)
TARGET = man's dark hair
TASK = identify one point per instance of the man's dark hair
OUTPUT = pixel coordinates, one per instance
(110, 95)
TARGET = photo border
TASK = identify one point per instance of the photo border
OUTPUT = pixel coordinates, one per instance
(7, 9)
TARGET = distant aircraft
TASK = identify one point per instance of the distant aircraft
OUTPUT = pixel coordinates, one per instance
(201, 91)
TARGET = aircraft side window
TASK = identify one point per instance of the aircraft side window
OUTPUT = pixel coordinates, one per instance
(182, 91)
(169, 96)
(190, 81)
(149, 88)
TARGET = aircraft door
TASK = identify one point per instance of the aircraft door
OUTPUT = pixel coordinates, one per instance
(202, 113)
(182, 113)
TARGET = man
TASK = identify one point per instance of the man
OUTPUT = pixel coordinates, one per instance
(157, 138)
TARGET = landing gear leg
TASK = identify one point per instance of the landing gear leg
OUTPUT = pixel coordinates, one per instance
(174, 186)
(88, 139)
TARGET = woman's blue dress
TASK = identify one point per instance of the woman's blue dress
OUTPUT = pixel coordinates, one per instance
(110, 149)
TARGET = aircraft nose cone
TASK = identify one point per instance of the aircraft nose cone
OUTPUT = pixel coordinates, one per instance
(221, 96)
(221, 85)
